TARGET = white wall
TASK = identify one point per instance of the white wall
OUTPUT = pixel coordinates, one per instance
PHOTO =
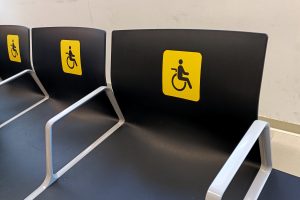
(280, 97)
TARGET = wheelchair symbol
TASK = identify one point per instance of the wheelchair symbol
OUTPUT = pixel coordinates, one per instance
(71, 61)
(179, 82)
(13, 50)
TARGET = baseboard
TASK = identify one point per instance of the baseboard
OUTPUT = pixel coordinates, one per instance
(282, 125)
(286, 151)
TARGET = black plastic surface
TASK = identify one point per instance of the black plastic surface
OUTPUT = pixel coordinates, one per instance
(48, 65)
(23, 92)
(172, 148)
(22, 147)
(169, 148)
(158, 163)
(7, 67)
(17, 96)
(281, 186)
(22, 144)
(231, 75)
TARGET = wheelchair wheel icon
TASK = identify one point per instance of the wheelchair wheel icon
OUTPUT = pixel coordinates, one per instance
(14, 53)
(176, 83)
(70, 63)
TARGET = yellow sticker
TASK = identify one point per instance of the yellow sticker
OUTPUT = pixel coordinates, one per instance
(13, 48)
(70, 56)
(181, 74)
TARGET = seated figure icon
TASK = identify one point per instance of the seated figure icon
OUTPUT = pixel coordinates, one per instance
(179, 73)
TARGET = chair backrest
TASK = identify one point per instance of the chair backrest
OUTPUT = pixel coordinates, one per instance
(150, 75)
(70, 61)
(14, 50)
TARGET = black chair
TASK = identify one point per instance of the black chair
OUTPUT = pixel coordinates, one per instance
(22, 154)
(172, 146)
(18, 92)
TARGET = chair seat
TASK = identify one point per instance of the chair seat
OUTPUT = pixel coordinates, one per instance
(22, 145)
(16, 96)
(137, 163)
(280, 186)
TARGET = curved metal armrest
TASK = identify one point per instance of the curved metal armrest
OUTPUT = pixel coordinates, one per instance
(37, 81)
(259, 129)
(52, 177)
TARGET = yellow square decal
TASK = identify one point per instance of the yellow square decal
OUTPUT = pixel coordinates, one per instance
(70, 56)
(181, 73)
(13, 48)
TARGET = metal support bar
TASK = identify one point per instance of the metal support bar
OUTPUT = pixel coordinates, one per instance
(259, 129)
(50, 175)
(37, 81)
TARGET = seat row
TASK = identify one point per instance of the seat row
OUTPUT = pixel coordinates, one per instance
(173, 117)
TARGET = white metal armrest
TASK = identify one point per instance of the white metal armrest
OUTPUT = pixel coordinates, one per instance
(259, 129)
(37, 81)
(52, 177)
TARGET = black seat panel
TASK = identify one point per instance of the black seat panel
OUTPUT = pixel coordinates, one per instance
(22, 146)
(136, 163)
(18, 95)
(47, 60)
(281, 185)
(9, 68)
(172, 148)
(22, 142)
